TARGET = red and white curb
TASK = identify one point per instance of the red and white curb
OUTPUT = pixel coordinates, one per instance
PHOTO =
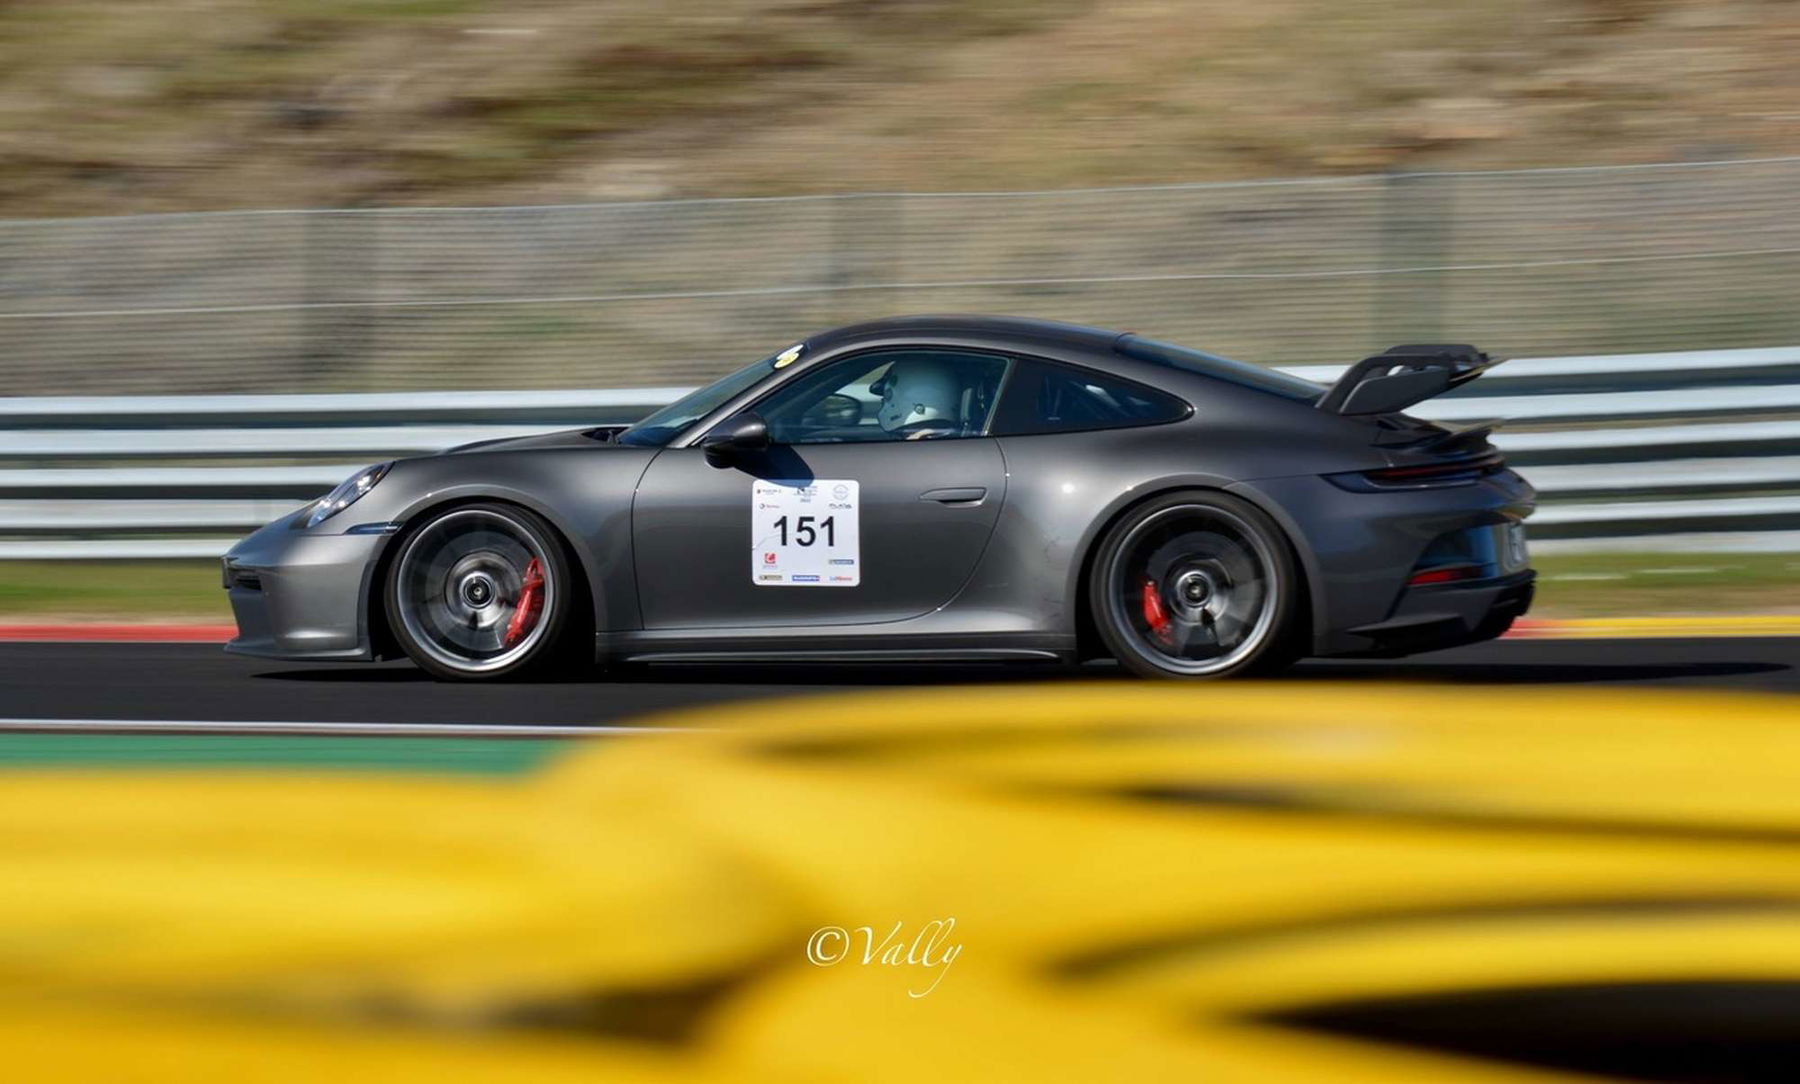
(82, 632)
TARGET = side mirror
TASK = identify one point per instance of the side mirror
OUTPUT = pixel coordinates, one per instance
(735, 436)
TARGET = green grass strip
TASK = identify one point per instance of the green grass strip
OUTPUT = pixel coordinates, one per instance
(457, 756)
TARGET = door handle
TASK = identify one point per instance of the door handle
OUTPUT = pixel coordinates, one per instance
(955, 495)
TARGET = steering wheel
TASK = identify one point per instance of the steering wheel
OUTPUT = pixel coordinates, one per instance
(928, 429)
(835, 411)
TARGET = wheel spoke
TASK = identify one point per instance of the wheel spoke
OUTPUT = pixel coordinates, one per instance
(473, 589)
(1194, 588)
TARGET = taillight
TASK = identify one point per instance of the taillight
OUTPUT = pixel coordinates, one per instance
(1450, 574)
(1457, 472)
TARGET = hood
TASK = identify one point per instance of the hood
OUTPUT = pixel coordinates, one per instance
(565, 438)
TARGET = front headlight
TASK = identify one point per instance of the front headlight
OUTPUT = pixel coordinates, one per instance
(346, 494)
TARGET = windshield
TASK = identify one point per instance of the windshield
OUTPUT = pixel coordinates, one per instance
(1236, 372)
(664, 425)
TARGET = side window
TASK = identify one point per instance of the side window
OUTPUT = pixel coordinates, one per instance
(906, 394)
(1044, 397)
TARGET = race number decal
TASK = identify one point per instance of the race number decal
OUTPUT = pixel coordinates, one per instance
(804, 534)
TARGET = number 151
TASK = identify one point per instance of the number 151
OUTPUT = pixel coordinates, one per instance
(805, 533)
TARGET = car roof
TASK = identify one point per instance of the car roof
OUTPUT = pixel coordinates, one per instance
(996, 329)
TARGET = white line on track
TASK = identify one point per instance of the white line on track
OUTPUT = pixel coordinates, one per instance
(379, 730)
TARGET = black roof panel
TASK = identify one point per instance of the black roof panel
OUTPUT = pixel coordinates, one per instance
(997, 328)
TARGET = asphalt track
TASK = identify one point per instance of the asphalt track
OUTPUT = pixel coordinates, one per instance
(97, 681)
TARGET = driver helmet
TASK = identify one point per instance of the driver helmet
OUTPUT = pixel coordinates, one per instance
(918, 391)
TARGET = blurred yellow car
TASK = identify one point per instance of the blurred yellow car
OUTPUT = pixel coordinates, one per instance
(1297, 883)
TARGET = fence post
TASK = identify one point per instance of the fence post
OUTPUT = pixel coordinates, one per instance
(338, 252)
(841, 268)
(315, 335)
(897, 225)
(868, 233)
(1417, 221)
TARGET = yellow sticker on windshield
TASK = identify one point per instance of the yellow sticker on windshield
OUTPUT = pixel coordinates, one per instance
(788, 357)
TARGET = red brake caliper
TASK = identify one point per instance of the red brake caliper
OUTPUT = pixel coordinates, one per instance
(1154, 613)
(529, 606)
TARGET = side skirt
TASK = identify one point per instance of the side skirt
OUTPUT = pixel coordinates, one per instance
(910, 655)
(746, 645)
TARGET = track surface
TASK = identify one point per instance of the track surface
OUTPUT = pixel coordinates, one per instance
(200, 682)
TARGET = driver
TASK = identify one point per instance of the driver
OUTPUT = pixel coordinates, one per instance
(919, 398)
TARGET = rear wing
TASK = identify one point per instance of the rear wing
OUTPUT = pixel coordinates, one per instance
(1401, 376)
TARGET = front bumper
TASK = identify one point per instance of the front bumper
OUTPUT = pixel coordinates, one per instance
(298, 594)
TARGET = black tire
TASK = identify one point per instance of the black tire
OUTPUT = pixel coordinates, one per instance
(1196, 584)
(455, 587)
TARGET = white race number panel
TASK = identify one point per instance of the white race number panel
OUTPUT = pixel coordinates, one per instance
(804, 534)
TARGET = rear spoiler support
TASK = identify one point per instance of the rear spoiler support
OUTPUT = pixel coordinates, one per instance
(1401, 376)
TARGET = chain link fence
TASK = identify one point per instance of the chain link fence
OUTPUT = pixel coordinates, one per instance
(1537, 262)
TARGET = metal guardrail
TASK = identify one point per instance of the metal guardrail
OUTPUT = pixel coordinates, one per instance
(180, 476)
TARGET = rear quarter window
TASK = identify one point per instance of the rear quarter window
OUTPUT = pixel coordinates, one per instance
(1241, 373)
(1044, 397)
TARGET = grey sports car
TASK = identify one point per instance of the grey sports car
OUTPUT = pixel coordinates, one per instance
(927, 488)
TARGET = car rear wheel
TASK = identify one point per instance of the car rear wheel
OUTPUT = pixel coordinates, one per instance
(479, 592)
(1196, 585)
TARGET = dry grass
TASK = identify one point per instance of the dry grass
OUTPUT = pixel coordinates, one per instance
(1640, 585)
(116, 106)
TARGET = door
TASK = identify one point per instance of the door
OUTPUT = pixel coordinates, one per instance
(873, 504)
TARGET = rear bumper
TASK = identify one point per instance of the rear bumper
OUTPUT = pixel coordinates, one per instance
(1434, 617)
(1358, 551)
(300, 595)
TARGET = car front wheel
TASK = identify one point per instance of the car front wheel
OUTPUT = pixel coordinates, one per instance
(479, 592)
(1196, 585)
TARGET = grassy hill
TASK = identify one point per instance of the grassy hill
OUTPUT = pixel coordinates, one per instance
(122, 106)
